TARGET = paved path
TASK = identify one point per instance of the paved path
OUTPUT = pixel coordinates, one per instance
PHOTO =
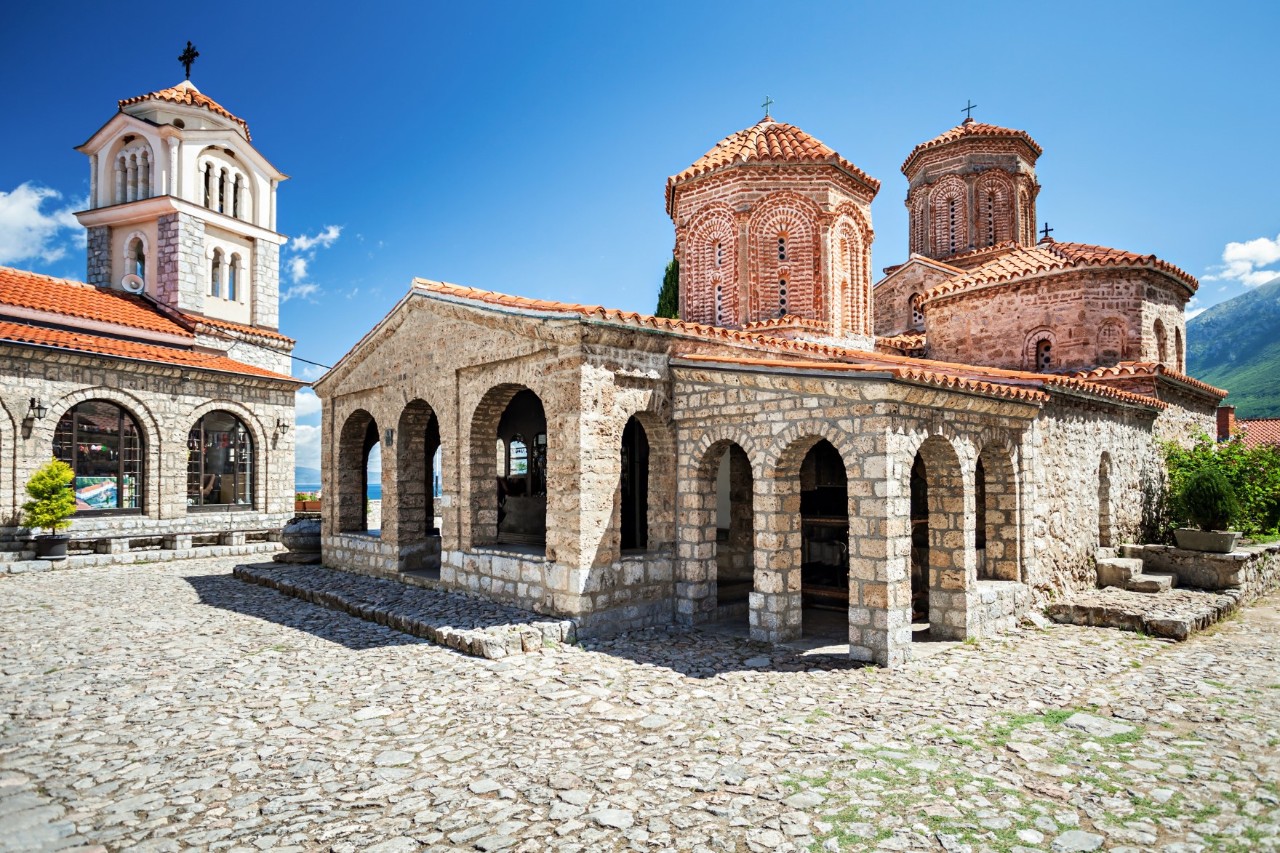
(169, 707)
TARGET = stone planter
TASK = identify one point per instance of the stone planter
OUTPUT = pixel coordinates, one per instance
(1210, 541)
(52, 547)
(302, 537)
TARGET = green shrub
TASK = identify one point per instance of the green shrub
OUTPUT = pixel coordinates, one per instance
(1253, 475)
(1208, 499)
(52, 500)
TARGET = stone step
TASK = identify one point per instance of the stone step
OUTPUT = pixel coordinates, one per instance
(1106, 554)
(1154, 582)
(16, 556)
(471, 625)
(1118, 571)
(1133, 551)
(17, 567)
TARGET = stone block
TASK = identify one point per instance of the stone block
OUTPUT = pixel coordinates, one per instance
(177, 542)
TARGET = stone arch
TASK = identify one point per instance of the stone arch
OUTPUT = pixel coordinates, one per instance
(1161, 342)
(941, 570)
(710, 269)
(1111, 342)
(260, 464)
(358, 437)
(997, 510)
(994, 194)
(717, 514)
(412, 517)
(915, 310)
(660, 481)
(491, 500)
(153, 443)
(949, 207)
(1106, 532)
(9, 503)
(917, 204)
(1039, 350)
(797, 217)
(1026, 217)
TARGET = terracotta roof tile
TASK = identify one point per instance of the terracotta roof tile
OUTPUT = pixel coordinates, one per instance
(764, 344)
(1049, 256)
(81, 342)
(1127, 369)
(769, 141)
(73, 299)
(186, 93)
(969, 129)
(788, 322)
(1260, 431)
(239, 327)
(906, 341)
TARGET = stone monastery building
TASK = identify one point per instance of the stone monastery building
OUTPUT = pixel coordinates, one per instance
(801, 448)
(163, 381)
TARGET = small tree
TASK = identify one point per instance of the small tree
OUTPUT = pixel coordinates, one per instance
(52, 500)
(1208, 499)
(669, 296)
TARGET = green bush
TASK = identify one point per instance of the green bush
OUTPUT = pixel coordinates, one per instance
(1208, 499)
(1253, 476)
(52, 500)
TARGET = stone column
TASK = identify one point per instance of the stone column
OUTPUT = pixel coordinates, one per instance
(93, 181)
(880, 558)
(775, 599)
(131, 179)
(119, 181)
(695, 540)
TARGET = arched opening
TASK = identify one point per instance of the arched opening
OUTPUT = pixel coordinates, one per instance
(1162, 343)
(997, 537)
(219, 463)
(1044, 355)
(635, 487)
(734, 537)
(359, 474)
(1178, 353)
(215, 273)
(509, 470)
(103, 444)
(940, 573)
(137, 259)
(233, 278)
(917, 311)
(824, 540)
(1105, 535)
(417, 478)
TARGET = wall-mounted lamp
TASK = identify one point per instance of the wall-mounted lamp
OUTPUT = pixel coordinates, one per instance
(37, 410)
(282, 425)
(389, 436)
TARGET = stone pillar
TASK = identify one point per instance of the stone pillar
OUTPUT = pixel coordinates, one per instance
(173, 186)
(880, 559)
(775, 598)
(131, 179)
(952, 559)
(695, 587)
(119, 182)
(93, 181)
(98, 256)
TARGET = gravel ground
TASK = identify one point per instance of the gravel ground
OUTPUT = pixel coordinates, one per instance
(169, 706)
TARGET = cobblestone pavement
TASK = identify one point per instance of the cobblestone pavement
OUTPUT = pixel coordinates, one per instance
(169, 706)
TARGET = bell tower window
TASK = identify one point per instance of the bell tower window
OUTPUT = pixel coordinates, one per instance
(1044, 355)
(215, 273)
(782, 297)
(782, 247)
(233, 278)
(137, 259)
(719, 253)
(719, 304)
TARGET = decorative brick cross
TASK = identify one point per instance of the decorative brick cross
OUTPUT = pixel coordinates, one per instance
(188, 56)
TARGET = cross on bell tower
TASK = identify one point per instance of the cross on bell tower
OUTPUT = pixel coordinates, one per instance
(768, 102)
(188, 56)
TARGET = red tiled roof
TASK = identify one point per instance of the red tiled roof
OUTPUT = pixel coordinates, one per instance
(970, 129)
(906, 341)
(768, 141)
(73, 299)
(788, 321)
(764, 343)
(186, 93)
(1049, 256)
(1260, 431)
(239, 327)
(81, 342)
(1147, 368)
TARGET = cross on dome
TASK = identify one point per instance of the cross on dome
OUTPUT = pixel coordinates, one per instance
(188, 56)
(768, 102)
(969, 107)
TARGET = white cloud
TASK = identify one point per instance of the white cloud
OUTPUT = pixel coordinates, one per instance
(311, 372)
(29, 232)
(1244, 262)
(323, 240)
(307, 446)
(306, 404)
(300, 291)
(298, 269)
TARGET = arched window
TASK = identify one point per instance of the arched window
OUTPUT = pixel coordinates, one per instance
(719, 253)
(782, 247)
(215, 274)
(219, 462)
(1044, 355)
(233, 278)
(137, 259)
(1178, 354)
(782, 297)
(103, 445)
(1162, 343)
(917, 312)
(208, 185)
(719, 304)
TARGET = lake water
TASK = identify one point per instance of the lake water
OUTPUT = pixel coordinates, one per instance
(375, 489)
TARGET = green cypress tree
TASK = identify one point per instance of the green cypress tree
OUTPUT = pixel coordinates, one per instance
(669, 296)
(52, 501)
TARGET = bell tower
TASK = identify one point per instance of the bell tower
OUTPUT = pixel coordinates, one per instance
(182, 207)
(972, 188)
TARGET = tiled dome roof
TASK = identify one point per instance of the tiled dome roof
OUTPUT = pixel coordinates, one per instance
(768, 141)
(970, 129)
(186, 93)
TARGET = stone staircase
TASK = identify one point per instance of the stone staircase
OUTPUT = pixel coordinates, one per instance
(14, 559)
(1122, 567)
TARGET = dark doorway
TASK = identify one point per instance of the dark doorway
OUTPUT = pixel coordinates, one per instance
(522, 472)
(824, 524)
(635, 487)
(734, 535)
(919, 543)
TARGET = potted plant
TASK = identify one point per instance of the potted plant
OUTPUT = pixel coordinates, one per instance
(1208, 502)
(52, 504)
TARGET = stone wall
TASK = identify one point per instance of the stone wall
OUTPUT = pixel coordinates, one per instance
(182, 281)
(98, 253)
(893, 296)
(1090, 317)
(166, 401)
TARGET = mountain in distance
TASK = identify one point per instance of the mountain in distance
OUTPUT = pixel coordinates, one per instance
(303, 474)
(1236, 345)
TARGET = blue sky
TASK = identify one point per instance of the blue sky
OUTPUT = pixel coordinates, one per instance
(524, 147)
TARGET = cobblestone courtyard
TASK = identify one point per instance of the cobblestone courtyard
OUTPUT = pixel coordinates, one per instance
(169, 706)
